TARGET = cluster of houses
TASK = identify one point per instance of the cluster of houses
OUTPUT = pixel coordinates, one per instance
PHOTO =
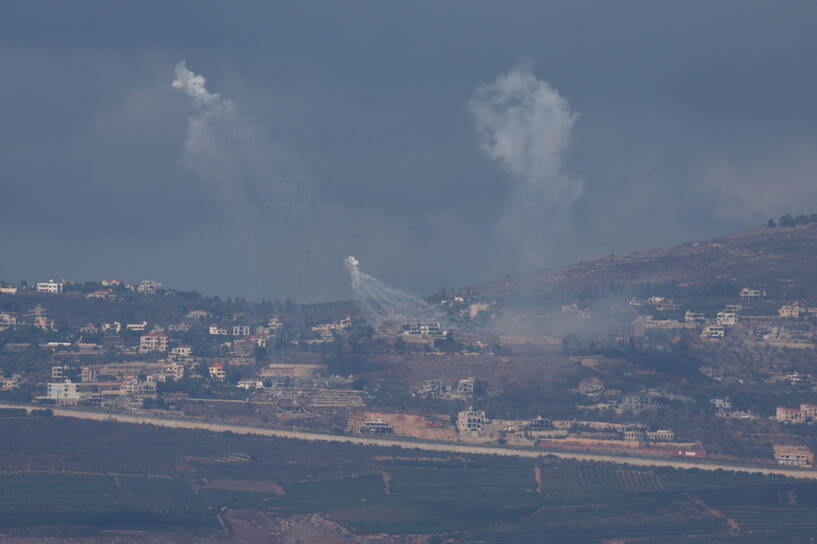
(35, 317)
(716, 326)
(52, 287)
(464, 389)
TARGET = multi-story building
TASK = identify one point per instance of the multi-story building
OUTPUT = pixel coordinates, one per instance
(65, 392)
(175, 371)
(181, 353)
(752, 294)
(635, 404)
(726, 319)
(215, 330)
(806, 412)
(89, 374)
(51, 287)
(376, 426)
(8, 320)
(217, 371)
(714, 332)
(471, 421)
(148, 287)
(153, 341)
(12, 383)
(789, 311)
(241, 330)
(799, 456)
(8, 289)
(137, 327)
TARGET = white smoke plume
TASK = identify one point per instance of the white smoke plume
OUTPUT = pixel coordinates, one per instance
(251, 178)
(524, 124)
(382, 304)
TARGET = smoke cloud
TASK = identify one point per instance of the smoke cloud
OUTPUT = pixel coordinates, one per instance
(253, 180)
(382, 304)
(525, 125)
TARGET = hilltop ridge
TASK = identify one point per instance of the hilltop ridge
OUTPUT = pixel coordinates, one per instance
(766, 258)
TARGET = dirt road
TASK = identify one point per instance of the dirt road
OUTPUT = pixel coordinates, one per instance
(423, 444)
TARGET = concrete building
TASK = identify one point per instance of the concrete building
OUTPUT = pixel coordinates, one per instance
(376, 426)
(806, 412)
(137, 327)
(148, 287)
(217, 371)
(789, 311)
(58, 372)
(8, 289)
(181, 353)
(88, 374)
(727, 319)
(635, 404)
(51, 287)
(175, 371)
(799, 456)
(63, 392)
(713, 332)
(8, 320)
(752, 294)
(241, 330)
(471, 421)
(153, 341)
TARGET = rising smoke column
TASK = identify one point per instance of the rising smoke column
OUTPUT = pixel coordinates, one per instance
(525, 125)
(383, 304)
(253, 180)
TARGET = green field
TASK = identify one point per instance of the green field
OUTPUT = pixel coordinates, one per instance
(71, 475)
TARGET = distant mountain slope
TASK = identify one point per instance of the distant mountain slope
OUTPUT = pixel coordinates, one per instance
(768, 258)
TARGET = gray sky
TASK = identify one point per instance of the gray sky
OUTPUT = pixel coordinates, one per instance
(353, 132)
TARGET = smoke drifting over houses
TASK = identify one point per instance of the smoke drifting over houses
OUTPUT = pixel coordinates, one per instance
(525, 125)
(382, 304)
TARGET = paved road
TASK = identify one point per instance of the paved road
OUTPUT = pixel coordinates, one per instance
(426, 445)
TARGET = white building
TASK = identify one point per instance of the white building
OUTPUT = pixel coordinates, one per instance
(789, 311)
(181, 352)
(727, 319)
(793, 455)
(112, 328)
(63, 392)
(51, 287)
(148, 287)
(752, 294)
(714, 332)
(215, 330)
(241, 330)
(137, 327)
(9, 289)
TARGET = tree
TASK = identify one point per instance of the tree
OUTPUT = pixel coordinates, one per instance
(771, 224)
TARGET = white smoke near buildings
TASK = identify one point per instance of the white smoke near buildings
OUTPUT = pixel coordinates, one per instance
(382, 304)
(525, 125)
(253, 180)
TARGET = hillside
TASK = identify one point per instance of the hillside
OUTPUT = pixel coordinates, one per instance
(777, 258)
